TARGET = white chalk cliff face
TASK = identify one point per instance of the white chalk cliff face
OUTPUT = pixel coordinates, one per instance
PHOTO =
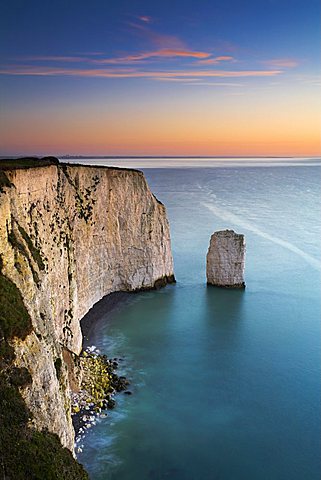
(225, 260)
(68, 236)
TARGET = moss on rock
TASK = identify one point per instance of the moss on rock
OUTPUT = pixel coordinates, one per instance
(4, 181)
(25, 453)
(33, 250)
(58, 365)
(15, 320)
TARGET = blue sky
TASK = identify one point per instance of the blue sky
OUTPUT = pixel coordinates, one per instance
(143, 63)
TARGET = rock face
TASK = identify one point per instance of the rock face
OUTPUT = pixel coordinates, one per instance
(68, 236)
(225, 260)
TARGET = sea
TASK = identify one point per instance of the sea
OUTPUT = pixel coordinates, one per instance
(225, 383)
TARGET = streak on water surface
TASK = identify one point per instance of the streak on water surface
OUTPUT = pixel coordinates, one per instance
(226, 384)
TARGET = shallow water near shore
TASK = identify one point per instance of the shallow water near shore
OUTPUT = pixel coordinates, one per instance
(226, 384)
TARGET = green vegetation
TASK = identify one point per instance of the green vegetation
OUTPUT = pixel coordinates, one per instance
(33, 250)
(96, 377)
(6, 354)
(84, 202)
(27, 162)
(58, 365)
(20, 377)
(4, 181)
(15, 320)
(16, 244)
(25, 453)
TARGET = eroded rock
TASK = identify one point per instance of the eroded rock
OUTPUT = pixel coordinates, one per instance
(225, 260)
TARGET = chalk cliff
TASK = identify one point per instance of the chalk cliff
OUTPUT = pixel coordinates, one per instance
(225, 260)
(68, 236)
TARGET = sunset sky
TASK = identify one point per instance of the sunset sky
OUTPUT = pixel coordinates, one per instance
(170, 77)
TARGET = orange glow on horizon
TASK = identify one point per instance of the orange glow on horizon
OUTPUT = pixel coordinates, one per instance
(125, 138)
(179, 120)
(77, 142)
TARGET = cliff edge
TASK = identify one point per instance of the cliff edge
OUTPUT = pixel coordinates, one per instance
(69, 235)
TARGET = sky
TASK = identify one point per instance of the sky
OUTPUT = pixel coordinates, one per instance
(174, 78)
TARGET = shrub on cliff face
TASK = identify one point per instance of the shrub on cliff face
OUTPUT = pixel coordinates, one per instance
(4, 182)
(14, 318)
(25, 453)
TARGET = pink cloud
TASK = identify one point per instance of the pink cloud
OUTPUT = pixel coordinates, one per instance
(216, 60)
(182, 53)
(281, 63)
(215, 84)
(198, 82)
(132, 73)
(57, 58)
(165, 53)
(173, 79)
(160, 40)
(145, 18)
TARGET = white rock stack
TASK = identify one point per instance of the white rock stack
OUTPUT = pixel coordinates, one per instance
(225, 260)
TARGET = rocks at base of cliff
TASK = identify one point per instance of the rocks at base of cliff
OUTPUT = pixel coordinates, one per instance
(159, 283)
(163, 281)
(225, 260)
(96, 391)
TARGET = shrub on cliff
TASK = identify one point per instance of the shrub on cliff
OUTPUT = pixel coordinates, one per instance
(25, 453)
(14, 317)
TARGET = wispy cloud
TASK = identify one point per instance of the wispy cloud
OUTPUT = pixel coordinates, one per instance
(163, 53)
(57, 58)
(281, 63)
(139, 57)
(159, 40)
(198, 82)
(145, 18)
(216, 84)
(174, 79)
(167, 47)
(132, 73)
(216, 60)
(165, 60)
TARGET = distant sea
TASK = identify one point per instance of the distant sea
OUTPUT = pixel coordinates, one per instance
(226, 384)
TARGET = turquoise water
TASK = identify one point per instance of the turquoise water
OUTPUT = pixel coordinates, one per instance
(226, 384)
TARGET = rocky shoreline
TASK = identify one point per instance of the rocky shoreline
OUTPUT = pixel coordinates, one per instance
(98, 386)
(98, 381)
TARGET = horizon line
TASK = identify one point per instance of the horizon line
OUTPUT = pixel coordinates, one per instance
(66, 156)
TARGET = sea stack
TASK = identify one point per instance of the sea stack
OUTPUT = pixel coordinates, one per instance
(225, 260)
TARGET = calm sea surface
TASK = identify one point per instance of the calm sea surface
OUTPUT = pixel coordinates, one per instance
(226, 384)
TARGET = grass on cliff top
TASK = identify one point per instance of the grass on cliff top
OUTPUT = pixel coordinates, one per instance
(27, 162)
(32, 162)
